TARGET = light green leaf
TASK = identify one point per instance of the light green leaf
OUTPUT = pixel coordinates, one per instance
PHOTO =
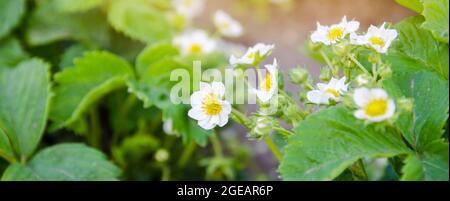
(414, 5)
(323, 154)
(11, 52)
(153, 55)
(436, 18)
(71, 53)
(432, 165)
(11, 12)
(90, 26)
(419, 45)
(139, 20)
(6, 151)
(430, 96)
(76, 6)
(72, 162)
(24, 103)
(78, 87)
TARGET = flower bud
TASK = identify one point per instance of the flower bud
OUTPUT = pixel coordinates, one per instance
(384, 71)
(362, 79)
(161, 155)
(374, 58)
(325, 74)
(298, 75)
(262, 127)
(406, 104)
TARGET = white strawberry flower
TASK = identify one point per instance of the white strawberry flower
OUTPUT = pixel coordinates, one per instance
(254, 54)
(269, 84)
(208, 106)
(374, 104)
(194, 42)
(378, 38)
(333, 90)
(331, 34)
(189, 8)
(226, 25)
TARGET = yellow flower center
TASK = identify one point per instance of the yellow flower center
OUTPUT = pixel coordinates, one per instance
(196, 48)
(335, 33)
(333, 92)
(211, 105)
(376, 107)
(251, 55)
(374, 40)
(267, 84)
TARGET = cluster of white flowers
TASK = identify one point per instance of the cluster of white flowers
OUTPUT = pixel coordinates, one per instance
(208, 106)
(379, 38)
(374, 104)
(198, 42)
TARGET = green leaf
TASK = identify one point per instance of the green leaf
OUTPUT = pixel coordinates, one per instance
(432, 165)
(11, 12)
(11, 52)
(425, 124)
(154, 54)
(419, 45)
(436, 18)
(72, 162)
(78, 87)
(71, 53)
(139, 20)
(24, 103)
(6, 151)
(90, 26)
(414, 5)
(76, 6)
(323, 154)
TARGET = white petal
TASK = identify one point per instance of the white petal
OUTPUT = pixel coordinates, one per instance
(378, 93)
(352, 26)
(218, 88)
(196, 98)
(223, 119)
(317, 97)
(205, 87)
(359, 114)
(207, 123)
(197, 113)
(361, 96)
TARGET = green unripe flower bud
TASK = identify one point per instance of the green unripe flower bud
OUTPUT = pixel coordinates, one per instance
(325, 74)
(341, 49)
(302, 96)
(161, 155)
(385, 71)
(262, 127)
(374, 58)
(406, 104)
(298, 75)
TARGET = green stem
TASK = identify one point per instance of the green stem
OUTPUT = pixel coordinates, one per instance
(239, 117)
(217, 147)
(269, 142)
(283, 131)
(95, 133)
(358, 171)
(165, 173)
(186, 155)
(358, 64)
(328, 62)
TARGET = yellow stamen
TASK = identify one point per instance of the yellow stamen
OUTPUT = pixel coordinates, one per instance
(335, 33)
(196, 48)
(377, 41)
(333, 92)
(251, 55)
(376, 107)
(266, 85)
(211, 105)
